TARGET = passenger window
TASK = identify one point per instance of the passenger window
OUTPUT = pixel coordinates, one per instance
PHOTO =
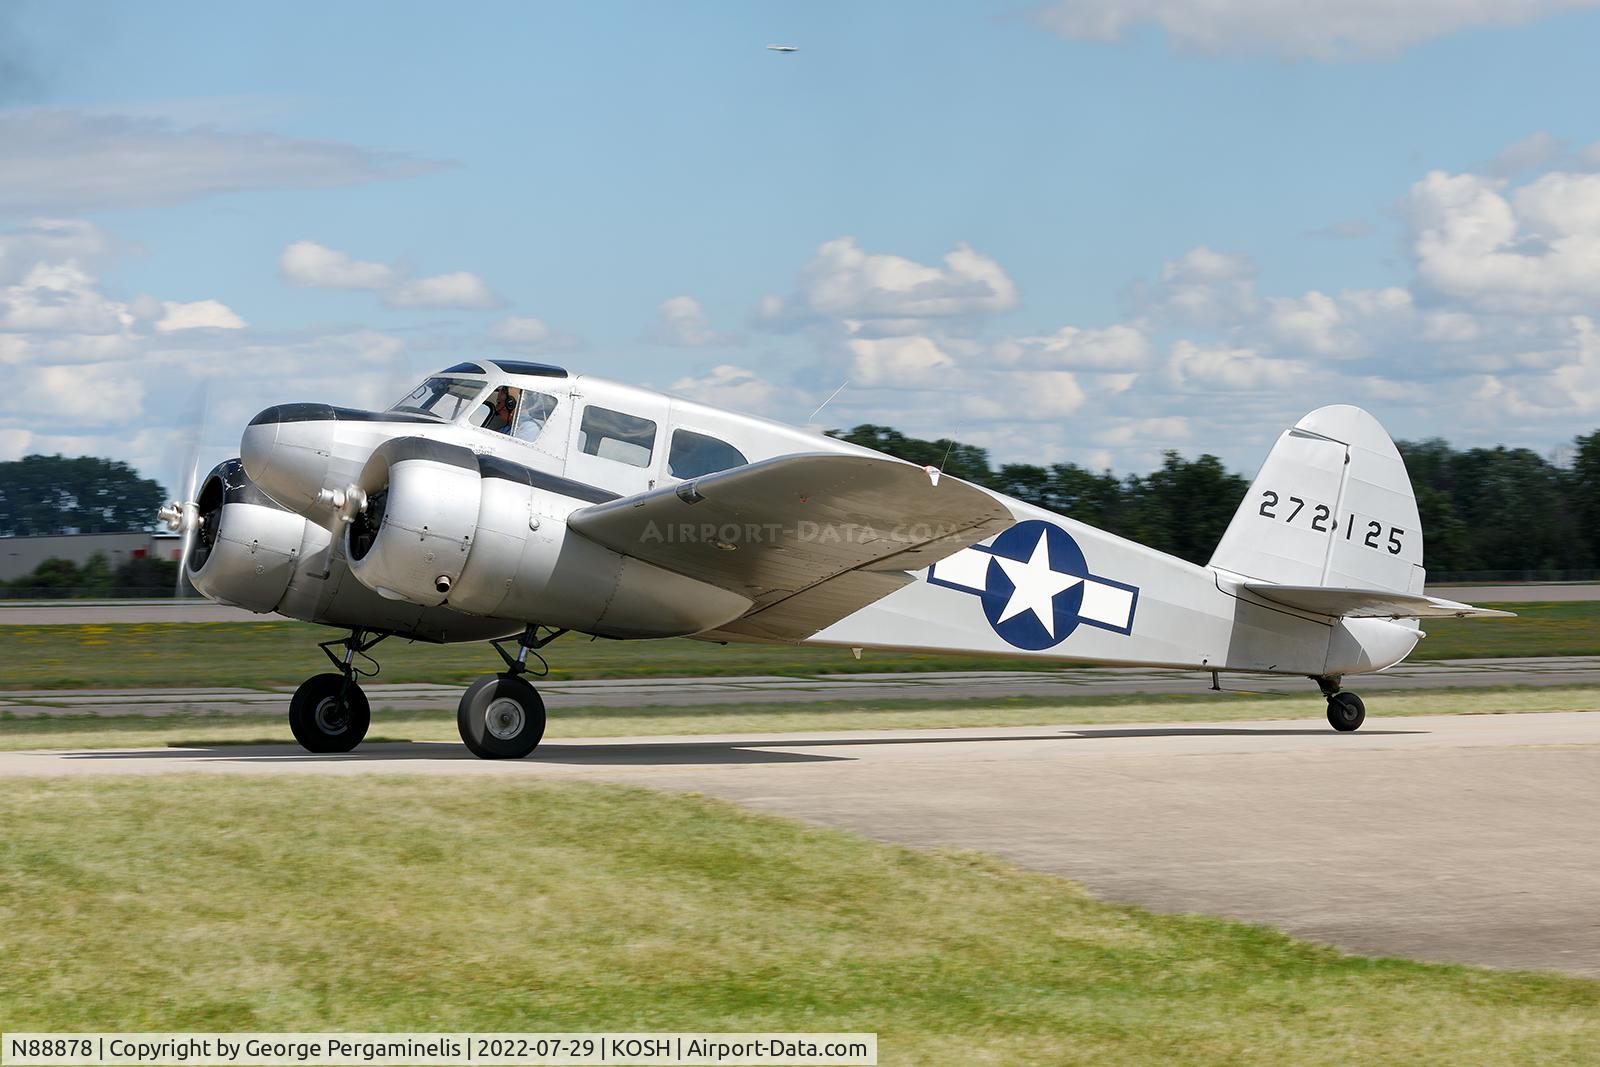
(617, 436)
(694, 454)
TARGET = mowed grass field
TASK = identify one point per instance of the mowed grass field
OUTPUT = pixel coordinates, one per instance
(372, 904)
(284, 653)
(433, 727)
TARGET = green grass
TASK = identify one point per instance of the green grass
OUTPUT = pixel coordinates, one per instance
(397, 904)
(204, 731)
(1561, 628)
(284, 653)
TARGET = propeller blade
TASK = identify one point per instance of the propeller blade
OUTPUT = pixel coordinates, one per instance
(184, 517)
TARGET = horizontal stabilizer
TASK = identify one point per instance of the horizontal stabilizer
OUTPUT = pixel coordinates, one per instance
(1369, 603)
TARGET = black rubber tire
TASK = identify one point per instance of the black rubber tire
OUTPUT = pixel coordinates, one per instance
(511, 737)
(316, 719)
(1346, 712)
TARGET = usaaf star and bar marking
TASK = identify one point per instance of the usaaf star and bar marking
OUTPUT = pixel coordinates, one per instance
(1035, 586)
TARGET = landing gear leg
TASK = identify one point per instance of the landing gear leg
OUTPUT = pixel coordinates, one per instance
(501, 716)
(329, 712)
(1346, 712)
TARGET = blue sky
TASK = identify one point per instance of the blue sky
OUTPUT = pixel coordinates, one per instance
(1078, 231)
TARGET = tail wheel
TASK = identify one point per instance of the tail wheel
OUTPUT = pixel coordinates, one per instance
(326, 715)
(1346, 712)
(501, 717)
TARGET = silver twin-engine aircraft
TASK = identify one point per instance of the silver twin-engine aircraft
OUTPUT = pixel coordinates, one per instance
(511, 500)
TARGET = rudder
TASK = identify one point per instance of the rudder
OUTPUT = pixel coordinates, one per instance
(1331, 506)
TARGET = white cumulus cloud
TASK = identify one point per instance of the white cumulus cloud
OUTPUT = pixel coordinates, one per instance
(1534, 250)
(313, 266)
(528, 334)
(310, 265)
(682, 323)
(198, 315)
(1224, 370)
(842, 281)
(1120, 347)
(729, 386)
(457, 289)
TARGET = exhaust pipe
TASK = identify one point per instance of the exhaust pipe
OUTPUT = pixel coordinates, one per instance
(442, 583)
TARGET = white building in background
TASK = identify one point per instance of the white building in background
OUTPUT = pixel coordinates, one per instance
(20, 556)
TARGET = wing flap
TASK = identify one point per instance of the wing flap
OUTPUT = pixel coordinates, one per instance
(778, 528)
(1369, 603)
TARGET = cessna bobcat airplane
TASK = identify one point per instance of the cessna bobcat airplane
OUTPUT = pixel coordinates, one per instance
(503, 499)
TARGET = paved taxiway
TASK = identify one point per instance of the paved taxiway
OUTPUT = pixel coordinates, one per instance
(1463, 838)
(951, 686)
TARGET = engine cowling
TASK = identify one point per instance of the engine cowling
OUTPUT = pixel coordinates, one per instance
(443, 525)
(247, 546)
(252, 553)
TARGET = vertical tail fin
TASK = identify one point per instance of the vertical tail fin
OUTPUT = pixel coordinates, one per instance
(1331, 506)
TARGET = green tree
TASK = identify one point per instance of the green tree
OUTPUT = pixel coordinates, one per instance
(146, 576)
(952, 457)
(95, 576)
(1514, 504)
(1067, 489)
(86, 494)
(53, 575)
(1584, 485)
(1184, 506)
(1503, 509)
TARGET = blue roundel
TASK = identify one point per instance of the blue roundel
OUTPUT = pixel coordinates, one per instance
(1039, 580)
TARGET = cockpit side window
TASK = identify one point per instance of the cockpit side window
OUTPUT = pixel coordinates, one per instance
(498, 412)
(617, 436)
(445, 397)
(695, 454)
(532, 413)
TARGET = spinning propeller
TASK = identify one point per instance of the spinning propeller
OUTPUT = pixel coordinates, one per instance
(183, 515)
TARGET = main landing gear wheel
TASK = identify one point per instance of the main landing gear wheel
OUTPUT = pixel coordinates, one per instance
(501, 717)
(1346, 712)
(329, 714)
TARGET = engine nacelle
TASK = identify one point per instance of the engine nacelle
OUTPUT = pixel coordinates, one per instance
(443, 525)
(252, 553)
(247, 545)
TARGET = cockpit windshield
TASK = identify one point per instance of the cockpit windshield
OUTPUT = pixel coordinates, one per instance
(445, 397)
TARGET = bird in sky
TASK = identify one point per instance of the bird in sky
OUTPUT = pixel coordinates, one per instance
(783, 48)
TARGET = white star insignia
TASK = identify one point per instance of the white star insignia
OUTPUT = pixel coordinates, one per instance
(1035, 585)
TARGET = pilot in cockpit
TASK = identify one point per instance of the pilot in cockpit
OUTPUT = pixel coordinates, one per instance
(502, 409)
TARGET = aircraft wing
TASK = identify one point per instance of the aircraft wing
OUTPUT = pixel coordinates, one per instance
(1368, 603)
(809, 538)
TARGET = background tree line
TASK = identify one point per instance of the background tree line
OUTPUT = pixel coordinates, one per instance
(97, 578)
(83, 494)
(1483, 509)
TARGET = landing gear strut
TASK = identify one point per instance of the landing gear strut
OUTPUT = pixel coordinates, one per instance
(329, 712)
(1346, 712)
(501, 716)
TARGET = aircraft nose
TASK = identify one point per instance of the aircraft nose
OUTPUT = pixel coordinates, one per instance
(286, 452)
